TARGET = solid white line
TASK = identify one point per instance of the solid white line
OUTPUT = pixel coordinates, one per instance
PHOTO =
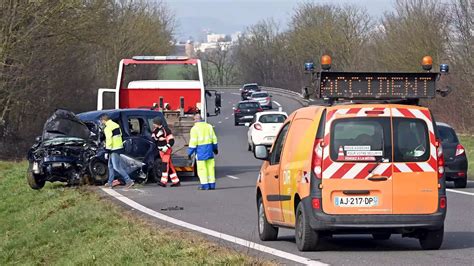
(277, 103)
(226, 118)
(220, 122)
(232, 239)
(460, 192)
(233, 177)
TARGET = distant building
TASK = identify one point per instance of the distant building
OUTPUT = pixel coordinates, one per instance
(214, 38)
(189, 49)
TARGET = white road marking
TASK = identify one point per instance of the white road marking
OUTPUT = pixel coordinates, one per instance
(460, 192)
(233, 177)
(232, 239)
(220, 122)
(277, 103)
(226, 118)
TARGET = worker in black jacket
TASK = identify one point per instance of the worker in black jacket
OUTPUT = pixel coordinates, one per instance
(164, 141)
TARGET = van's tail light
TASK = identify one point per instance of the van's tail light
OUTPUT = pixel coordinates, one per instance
(442, 202)
(316, 203)
(257, 126)
(439, 151)
(460, 150)
(317, 162)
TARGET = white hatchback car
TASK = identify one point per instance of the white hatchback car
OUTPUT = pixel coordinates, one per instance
(264, 128)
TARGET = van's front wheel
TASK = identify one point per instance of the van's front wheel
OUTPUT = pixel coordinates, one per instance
(432, 240)
(306, 238)
(266, 231)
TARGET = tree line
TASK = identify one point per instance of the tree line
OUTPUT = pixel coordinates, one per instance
(397, 41)
(57, 53)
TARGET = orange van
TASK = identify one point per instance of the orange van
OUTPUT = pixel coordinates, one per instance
(363, 168)
(373, 167)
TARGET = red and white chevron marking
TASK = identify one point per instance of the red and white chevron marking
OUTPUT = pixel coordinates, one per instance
(351, 170)
(430, 165)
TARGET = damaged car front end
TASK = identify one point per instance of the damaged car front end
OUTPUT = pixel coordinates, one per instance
(64, 151)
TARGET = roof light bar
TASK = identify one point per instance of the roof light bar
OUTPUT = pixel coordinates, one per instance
(159, 58)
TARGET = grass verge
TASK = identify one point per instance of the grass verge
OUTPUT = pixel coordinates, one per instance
(64, 226)
(468, 143)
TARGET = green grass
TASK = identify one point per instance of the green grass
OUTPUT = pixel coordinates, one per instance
(69, 226)
(468, 142)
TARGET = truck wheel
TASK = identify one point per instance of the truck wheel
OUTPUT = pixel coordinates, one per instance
(35, 181)
(381, 236)
(460, 183)
(306, 238)
(266, 231)
(432, 240)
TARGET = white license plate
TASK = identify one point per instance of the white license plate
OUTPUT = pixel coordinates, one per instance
(365, 201)
(269, 138)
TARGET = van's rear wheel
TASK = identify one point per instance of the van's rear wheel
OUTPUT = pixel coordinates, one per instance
(432, 240)
(306, 238)
(266, 231)
(381, 236)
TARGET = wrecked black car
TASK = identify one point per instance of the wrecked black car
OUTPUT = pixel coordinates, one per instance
(64, 151)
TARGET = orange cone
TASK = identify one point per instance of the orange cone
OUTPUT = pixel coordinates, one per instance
(340, 154)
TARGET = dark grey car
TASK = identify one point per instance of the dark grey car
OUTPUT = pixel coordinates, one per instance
(245, 111)
(456, 164)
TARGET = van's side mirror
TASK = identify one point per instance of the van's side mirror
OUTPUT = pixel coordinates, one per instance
(261, 152)
(247, 124)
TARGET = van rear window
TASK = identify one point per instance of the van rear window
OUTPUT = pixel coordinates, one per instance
(361, 139)
(411, 140)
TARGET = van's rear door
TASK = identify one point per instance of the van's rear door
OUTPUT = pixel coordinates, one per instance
(357, 165)
(415, 177)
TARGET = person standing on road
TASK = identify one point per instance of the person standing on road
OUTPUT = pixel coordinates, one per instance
(203, 143)
(114, 147)
(165, 141)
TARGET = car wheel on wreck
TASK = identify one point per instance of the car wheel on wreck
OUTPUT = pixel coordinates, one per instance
(98, 170)
(34, 180)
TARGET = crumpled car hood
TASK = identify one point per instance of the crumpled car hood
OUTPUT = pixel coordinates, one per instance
(64, 123)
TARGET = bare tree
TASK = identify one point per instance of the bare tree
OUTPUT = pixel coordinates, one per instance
(219, 64)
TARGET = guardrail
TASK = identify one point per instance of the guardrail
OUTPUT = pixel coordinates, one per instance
(278, 91)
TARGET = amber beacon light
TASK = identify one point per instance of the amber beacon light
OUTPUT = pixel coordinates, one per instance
(427, 63)
(326, 62)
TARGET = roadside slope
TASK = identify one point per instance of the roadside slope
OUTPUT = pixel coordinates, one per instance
(60, 225)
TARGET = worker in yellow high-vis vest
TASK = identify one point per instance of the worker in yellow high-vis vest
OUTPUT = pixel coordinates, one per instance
(114, 147)
(203, 143)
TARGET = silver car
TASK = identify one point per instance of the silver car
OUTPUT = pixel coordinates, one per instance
(263, 97)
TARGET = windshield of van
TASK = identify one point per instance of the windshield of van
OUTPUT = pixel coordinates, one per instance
(411, 140)
(361, 139)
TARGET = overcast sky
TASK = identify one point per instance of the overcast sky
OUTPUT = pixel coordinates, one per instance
(228, 16)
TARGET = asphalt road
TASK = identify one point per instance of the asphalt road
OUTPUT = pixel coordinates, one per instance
(231, 208)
